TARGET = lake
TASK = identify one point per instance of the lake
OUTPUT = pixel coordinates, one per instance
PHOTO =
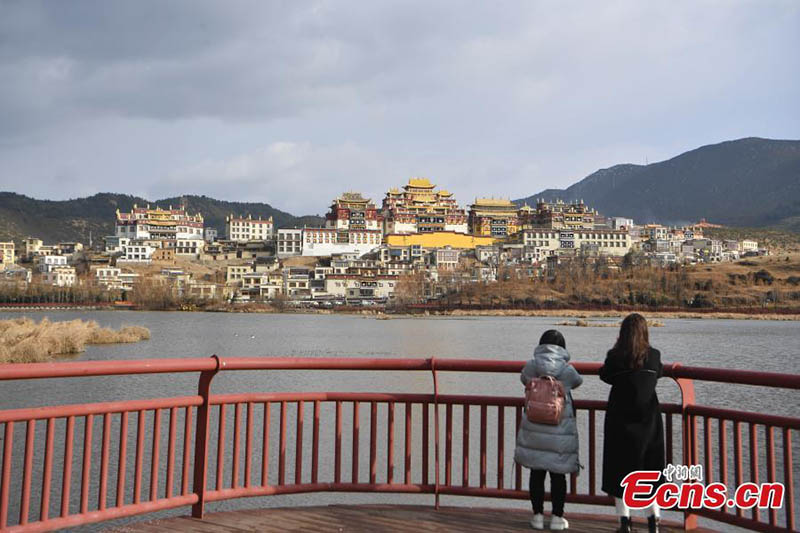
(740, 344)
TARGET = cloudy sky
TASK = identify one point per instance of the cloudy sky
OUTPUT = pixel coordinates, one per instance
(292, 102)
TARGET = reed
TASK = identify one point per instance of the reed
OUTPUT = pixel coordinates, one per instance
(23, 340)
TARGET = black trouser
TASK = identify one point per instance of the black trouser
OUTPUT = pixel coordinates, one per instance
(558, 491)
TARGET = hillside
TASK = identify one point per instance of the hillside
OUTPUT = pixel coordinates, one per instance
(747, 182)
(73, 220)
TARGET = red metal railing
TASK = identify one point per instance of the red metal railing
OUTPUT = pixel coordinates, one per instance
(206, 448)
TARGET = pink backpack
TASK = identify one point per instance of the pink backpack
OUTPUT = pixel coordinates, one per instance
(544, 400)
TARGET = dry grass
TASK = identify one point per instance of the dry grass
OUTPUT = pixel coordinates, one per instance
(758, 285)
(23, 340)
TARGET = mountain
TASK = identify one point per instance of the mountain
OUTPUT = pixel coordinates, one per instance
(73, 220)
(746, 182)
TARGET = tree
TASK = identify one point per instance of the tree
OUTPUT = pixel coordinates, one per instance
(410, 289)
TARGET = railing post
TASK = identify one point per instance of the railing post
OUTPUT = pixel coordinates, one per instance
(436, 430)
(201, 437)
(689, 438)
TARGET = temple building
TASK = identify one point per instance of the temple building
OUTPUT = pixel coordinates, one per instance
(492, 217)
(353, 211)
(164, 228)
(352, 226)
(159, 224)
(419, 208)
(558, 215)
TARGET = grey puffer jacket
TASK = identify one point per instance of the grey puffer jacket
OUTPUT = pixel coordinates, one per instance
(542, 446)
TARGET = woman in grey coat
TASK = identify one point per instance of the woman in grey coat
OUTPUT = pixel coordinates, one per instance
(550, 448)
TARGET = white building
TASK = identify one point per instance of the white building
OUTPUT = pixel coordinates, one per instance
(748, 246)
(137, 253)
(320, 242)
(655, 231)
(62, 276)
(243, 229)
(189, 247)
(348, 286)
(6, 253)
(605, 242)
(290, 242)
(108, 277)
(296, 282)
(252, 280)
(271, 285)
(446, 258)
(128, 280)
(401, 255)
(210, 234)
(620, 223)
(487, 254)
(665, 258)
(235, 273)
(32, 246)
(49, 262)
(115, 244)
(201, 290)
(262, 285)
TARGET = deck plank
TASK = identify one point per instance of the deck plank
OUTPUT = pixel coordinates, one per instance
(368, 518)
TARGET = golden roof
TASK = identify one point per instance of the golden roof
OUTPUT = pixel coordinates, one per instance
(493, 202)
(352, 197)
(443, 192)
(422, 183)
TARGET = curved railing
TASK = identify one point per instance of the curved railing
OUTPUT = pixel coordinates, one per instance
(431, 443)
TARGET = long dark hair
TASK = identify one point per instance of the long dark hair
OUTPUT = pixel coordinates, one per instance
(633, 343)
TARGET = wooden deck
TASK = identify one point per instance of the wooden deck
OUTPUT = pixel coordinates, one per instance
(372, 518)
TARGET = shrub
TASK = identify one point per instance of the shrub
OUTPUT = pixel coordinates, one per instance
(763, 276)
(701, 301)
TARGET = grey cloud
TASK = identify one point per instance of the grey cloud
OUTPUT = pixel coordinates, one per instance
(487, 98)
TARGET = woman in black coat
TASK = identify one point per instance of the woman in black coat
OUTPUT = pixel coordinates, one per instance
(634, 432)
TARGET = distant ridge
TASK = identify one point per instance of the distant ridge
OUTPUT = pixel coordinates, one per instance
(73, 220)
(746, 182)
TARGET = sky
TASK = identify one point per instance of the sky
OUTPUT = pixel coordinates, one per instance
(294, 102)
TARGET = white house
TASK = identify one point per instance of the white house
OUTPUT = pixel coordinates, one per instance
(62, 276)
(290, 242)
(137, 253)
(243, 229)
(325, 242)
(49, 262)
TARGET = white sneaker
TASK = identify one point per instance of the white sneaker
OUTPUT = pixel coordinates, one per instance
(537, 522)
(558, 523)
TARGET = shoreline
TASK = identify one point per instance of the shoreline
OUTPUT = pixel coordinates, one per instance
(383, 314)
(577, 313)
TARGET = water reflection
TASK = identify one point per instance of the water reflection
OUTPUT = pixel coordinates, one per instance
(762, 345)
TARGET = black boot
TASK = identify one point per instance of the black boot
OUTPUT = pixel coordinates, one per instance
(652, 524)
(624, 524)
